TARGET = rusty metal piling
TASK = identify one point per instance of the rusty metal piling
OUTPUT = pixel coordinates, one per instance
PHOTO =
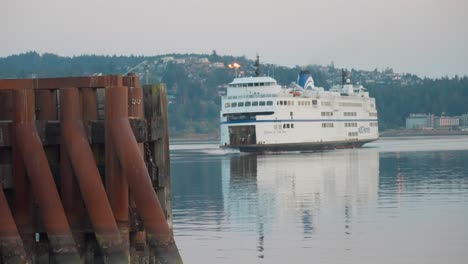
(78, 189)
(42, 182)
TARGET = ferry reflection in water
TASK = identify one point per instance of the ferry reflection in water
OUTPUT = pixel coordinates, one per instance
(270, 206)
(404, 201)
(296, 187)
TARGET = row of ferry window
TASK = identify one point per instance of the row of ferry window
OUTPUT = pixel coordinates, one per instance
(327, 113)
(350, 104)
(350, 114)
(242, 104)
(251, 84)
(373, 124)
(327, 125)
(350, 124)
(373, 114)
(279, 126)
(300, 103)
(352, 134)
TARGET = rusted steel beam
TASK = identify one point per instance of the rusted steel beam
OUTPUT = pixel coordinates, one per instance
(42, 182)
(116, 183)
(46, 105)
(49, 131)
(11, 245)
(70, 192)
(89, 180)
(159, 235)
(6, 105)
(56, 83)
(90, 104)
(22, 202)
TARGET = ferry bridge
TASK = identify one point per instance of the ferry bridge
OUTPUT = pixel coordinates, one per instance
(84, 171)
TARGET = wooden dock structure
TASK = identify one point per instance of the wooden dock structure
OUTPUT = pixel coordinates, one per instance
(84, 171)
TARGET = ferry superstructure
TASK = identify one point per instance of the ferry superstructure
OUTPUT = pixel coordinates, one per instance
(258, 115)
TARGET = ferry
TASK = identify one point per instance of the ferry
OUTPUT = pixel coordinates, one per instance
(259, 115)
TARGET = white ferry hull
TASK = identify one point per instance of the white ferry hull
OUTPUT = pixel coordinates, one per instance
(257, 115)
(304, 146)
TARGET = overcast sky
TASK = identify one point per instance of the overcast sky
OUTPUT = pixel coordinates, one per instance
(426, 37)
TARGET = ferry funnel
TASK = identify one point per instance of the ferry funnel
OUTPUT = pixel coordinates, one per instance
(305, 80)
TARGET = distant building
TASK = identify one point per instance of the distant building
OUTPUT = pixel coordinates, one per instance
(446, 122)
(167, 59)
(203, 60)
(464, 120)
(420, 121)
(179, 61)
(217, 65)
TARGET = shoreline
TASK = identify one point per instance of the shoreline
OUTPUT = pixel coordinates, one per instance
(420, 133)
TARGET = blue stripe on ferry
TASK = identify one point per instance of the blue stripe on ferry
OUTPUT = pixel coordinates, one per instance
(298, 120)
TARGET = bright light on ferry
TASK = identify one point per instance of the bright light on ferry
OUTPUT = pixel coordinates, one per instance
(234, 65)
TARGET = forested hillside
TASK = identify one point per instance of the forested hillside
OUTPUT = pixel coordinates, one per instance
(195, 82)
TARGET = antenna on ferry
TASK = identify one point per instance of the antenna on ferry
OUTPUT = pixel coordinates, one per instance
(343, 76)
(257, 66)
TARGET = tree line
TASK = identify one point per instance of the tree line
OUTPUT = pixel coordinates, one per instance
(194, 89)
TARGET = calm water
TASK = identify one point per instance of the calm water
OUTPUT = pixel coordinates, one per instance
(395, 201)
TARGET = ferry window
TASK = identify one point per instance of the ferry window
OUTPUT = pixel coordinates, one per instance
(227, 105)
(234, 105)
(281, 102)
(292, 125)
(284, 125)
(256, 84)
(250, 84)
(262, 103)
(248, 103)
(262, 84)
(269, 102)
(240, 104)
(287, 125)
(284, 102)
(255, 103)
(314, 102)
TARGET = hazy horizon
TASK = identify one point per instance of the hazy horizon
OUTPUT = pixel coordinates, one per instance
(424, 37)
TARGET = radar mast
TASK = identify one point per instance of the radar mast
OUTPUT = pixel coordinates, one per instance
(257, 66)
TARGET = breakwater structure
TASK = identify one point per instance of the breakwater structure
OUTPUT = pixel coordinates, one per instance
(84, 171)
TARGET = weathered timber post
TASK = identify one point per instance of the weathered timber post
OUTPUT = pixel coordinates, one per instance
(138, 248)
(155, 106)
